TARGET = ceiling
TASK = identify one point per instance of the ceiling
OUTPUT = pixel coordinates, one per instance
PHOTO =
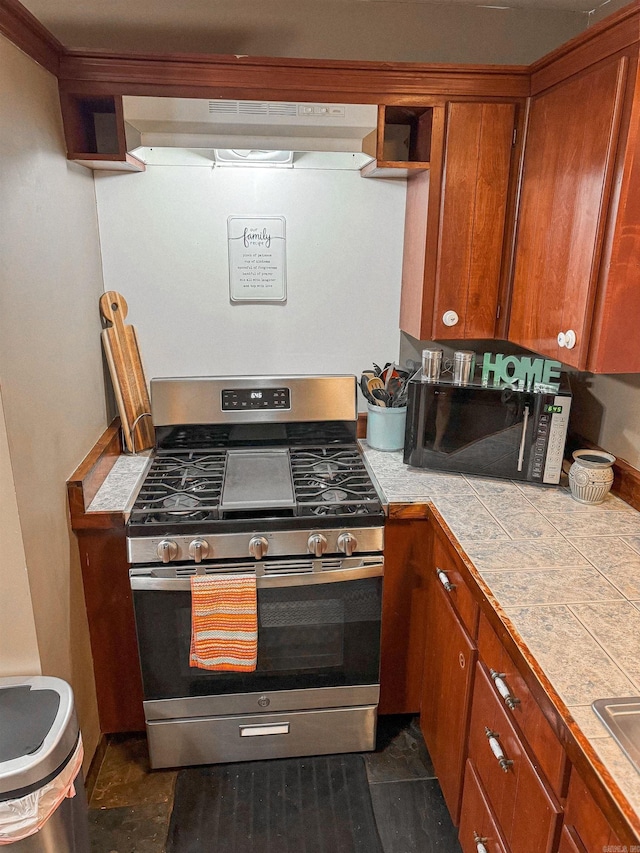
(275, 27)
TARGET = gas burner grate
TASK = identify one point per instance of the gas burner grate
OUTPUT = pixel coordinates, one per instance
(332, 481)
(181, 486)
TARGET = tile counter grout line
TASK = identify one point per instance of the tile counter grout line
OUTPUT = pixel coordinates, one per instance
(635, 682)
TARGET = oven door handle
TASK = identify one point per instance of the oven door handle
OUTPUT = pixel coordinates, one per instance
(267, 581)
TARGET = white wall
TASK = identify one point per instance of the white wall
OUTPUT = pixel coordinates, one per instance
(607, 412)
(164, 247)
(18, 642)
(50, 364)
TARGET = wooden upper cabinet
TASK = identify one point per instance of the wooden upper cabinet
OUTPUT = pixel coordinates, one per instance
(401, 144)
(456, 256)
(565, 283)
(94, 130)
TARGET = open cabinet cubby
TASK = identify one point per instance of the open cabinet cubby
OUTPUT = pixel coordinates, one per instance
(401, 143)
(94, 132)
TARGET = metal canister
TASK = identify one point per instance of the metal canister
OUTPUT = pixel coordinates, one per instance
(463, 366)
(431, 364)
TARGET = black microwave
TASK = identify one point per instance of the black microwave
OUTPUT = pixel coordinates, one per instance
(494, 432)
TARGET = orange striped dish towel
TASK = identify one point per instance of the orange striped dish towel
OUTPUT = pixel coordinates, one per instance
(224, 622)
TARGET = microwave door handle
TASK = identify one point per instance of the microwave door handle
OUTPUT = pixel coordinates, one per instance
(525, 421)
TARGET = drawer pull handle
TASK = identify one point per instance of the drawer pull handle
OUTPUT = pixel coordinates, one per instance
(444, 580)
(264, 729)
(504, 762)
(501, 686)
(479, 842)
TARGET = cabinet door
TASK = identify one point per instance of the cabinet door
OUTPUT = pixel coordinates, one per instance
(450, 656)
(479, 140)
(407, 553)
(568, 166)
(585, 827)
(455, 224)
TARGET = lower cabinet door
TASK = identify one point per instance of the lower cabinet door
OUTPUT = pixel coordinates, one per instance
(570, 841)
(450, 656)
(585, 826)
(479, 831)
(527, 812)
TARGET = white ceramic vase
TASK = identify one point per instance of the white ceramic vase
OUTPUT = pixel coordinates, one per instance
(590, 476)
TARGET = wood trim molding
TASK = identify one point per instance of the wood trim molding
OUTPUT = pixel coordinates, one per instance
(626, 478)
(27, 33)
(85, 481)
(620, 31)
(283, 78)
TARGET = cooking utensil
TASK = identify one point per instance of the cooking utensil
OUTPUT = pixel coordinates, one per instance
(374, 383)
(122, 352)
(382, 396)
(365, 390)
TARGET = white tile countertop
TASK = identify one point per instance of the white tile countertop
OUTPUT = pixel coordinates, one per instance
(565, 575)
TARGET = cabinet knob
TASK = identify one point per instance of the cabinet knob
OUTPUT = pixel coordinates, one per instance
(567, 339)
(450, 318)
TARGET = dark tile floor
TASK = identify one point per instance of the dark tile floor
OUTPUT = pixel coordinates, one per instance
(131, 805)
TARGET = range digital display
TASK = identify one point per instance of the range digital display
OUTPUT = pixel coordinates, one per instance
(239, 399)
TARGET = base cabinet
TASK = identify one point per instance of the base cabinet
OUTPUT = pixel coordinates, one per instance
(526, 811)
(585, 826)
(479, 830)
(502, 766)
(450, 656)
(407, 554)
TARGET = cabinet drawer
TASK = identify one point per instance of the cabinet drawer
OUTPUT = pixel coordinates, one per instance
(527, 812)
(448, 570)
(478, 828)
(521, 707)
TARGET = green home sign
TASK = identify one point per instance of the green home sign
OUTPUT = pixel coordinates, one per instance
(522, 370)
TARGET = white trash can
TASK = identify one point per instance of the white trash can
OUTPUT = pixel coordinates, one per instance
(43, 805)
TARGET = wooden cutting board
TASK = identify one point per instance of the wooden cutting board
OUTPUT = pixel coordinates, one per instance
(127, 375)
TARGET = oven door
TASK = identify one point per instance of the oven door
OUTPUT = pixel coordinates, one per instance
(317, 628)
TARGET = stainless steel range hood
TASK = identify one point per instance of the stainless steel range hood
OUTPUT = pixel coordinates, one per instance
(192, 123)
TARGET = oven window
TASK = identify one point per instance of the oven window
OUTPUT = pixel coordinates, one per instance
(320, 635)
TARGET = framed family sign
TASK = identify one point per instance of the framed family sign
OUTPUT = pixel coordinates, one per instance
(257, 258)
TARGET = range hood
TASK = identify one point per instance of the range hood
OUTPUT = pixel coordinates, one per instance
(193, 123)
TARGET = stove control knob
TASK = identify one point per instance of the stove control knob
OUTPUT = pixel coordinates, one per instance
(258, 547)
(199, 550)
(167, 550)
(347, 543)
(317, 544)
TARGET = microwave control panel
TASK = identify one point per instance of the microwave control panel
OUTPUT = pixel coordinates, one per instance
(549, 441)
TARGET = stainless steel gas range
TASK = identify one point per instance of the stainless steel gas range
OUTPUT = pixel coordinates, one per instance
(259, 475)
